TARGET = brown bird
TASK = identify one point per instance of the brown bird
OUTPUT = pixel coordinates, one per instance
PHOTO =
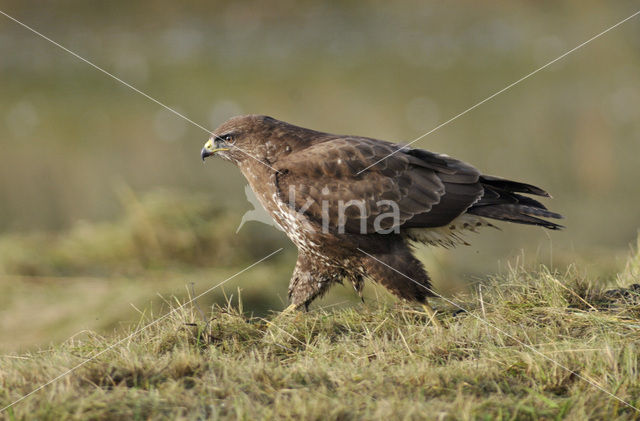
(352, 205)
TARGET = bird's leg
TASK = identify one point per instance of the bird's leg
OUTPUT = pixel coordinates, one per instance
(290, 309)
(358, 285)
(432, 315)
(309, 281)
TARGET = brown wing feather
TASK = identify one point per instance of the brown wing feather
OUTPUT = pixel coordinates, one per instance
(429, 189)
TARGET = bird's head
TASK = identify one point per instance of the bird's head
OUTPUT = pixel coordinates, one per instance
(254, 138)
(237, 139)
(223, 140)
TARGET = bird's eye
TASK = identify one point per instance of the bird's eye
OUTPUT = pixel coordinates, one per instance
(227, 138)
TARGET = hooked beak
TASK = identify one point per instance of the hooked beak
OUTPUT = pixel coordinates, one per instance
(211, 147)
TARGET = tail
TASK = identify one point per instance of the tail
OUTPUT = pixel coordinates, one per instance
(501, 201)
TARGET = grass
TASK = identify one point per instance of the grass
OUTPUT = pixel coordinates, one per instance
(371, 361)
(93, 275)
(158, 230)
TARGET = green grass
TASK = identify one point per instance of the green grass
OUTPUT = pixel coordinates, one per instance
(158, 230)
(372, 361)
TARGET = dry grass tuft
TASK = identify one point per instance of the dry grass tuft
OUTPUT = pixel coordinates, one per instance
(370, 361)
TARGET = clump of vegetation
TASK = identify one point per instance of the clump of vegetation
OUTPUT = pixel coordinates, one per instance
(372, 361)
(158, 230)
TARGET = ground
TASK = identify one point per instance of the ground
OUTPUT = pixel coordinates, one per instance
(373, 361)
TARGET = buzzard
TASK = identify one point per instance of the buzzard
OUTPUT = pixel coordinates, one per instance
(353, 205)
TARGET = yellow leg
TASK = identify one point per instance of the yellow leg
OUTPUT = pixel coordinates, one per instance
(432, 315)
(290, 309)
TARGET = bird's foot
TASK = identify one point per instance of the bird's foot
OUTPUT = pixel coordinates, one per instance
(282, 315)
(290, 309)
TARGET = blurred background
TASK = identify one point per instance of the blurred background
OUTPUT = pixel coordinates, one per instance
(107, 213)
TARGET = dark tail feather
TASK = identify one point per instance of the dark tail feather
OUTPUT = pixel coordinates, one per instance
(512, 186)
(515, 213)
(502, 202)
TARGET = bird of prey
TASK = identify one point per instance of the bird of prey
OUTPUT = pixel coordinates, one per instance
(353, 205)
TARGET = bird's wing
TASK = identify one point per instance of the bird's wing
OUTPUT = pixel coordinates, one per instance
(323, 182)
